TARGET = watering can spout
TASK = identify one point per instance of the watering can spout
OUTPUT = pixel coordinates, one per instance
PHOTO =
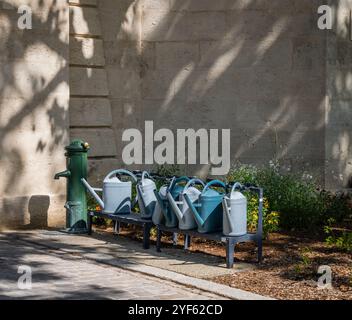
(63, 174)
(93, 193)
(174, 206)
(194, 211)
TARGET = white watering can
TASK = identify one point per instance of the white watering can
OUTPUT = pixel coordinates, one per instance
(117, 194)
(181, 209)
(146, 196)
(235, 213)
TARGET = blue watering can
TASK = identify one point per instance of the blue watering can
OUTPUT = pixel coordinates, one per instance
(175, 189)
(207, 211)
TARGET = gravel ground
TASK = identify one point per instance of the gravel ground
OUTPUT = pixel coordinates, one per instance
(289, 269)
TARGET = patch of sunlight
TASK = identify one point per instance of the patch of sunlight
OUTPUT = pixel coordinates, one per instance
(89, 72)
(87, 46)
(177, 84)
(79, 22)
(267, 42)
(128, 109)
(131, 26)
(40, 52)
(5, 29)
(348, 81)
(175, 24)
(222, 63)
(17, 106)
(340, 150)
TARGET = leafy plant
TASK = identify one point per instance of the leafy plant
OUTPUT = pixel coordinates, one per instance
(337, 238)
(270, 219)
(306, 260)
(343, 242)
(168, 170)
(298, 199)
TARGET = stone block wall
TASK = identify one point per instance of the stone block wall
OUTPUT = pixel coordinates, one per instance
(34, 95)
(339, 98)
(257, 68)
(92, 68)
(90, 103)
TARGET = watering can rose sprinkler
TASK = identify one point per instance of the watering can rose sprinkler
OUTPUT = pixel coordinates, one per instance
(181, 209)
(117, 194)
(207, 211)
(76, 203)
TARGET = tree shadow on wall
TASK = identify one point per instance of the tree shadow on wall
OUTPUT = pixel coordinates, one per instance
(33, 103)
(256, 67)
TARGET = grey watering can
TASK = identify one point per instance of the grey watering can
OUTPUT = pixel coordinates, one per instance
(158, 216)
(145, 195)
(117, 194)
(207, 211)
(175, 189)
(235, 213)
(181, 209)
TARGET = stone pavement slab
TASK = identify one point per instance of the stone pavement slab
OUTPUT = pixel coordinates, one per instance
(62, 276)
(103, 246)
(184, 268)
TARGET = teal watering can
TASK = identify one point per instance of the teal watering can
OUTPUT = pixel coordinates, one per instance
(207, 211)
(175, 189)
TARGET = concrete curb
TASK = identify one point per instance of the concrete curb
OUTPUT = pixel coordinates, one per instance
(205, 285)
(191, 282)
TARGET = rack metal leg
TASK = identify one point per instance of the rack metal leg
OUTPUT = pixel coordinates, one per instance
(117, 227)
(230, 251)
(174, 239)
(90, 224)
(260, 250)
(158, 240)
(187, 242)
(146, 236)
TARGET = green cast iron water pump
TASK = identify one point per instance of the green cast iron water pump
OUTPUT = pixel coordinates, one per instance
(76, 204)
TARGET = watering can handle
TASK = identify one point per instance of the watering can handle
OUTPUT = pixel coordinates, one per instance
(122, 171)
(140, 191)
(235, 186)
(193, 181)
(214, 182)
(226, 208)
(177, 180)
(145, 174)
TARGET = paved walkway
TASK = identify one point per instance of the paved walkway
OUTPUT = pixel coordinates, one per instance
(58, 274)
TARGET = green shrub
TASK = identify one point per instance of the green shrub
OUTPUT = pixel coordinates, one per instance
(343, 242)
(336, 237)
(298, 200)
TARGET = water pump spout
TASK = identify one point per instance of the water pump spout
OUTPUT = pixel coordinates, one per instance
(63, 174)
